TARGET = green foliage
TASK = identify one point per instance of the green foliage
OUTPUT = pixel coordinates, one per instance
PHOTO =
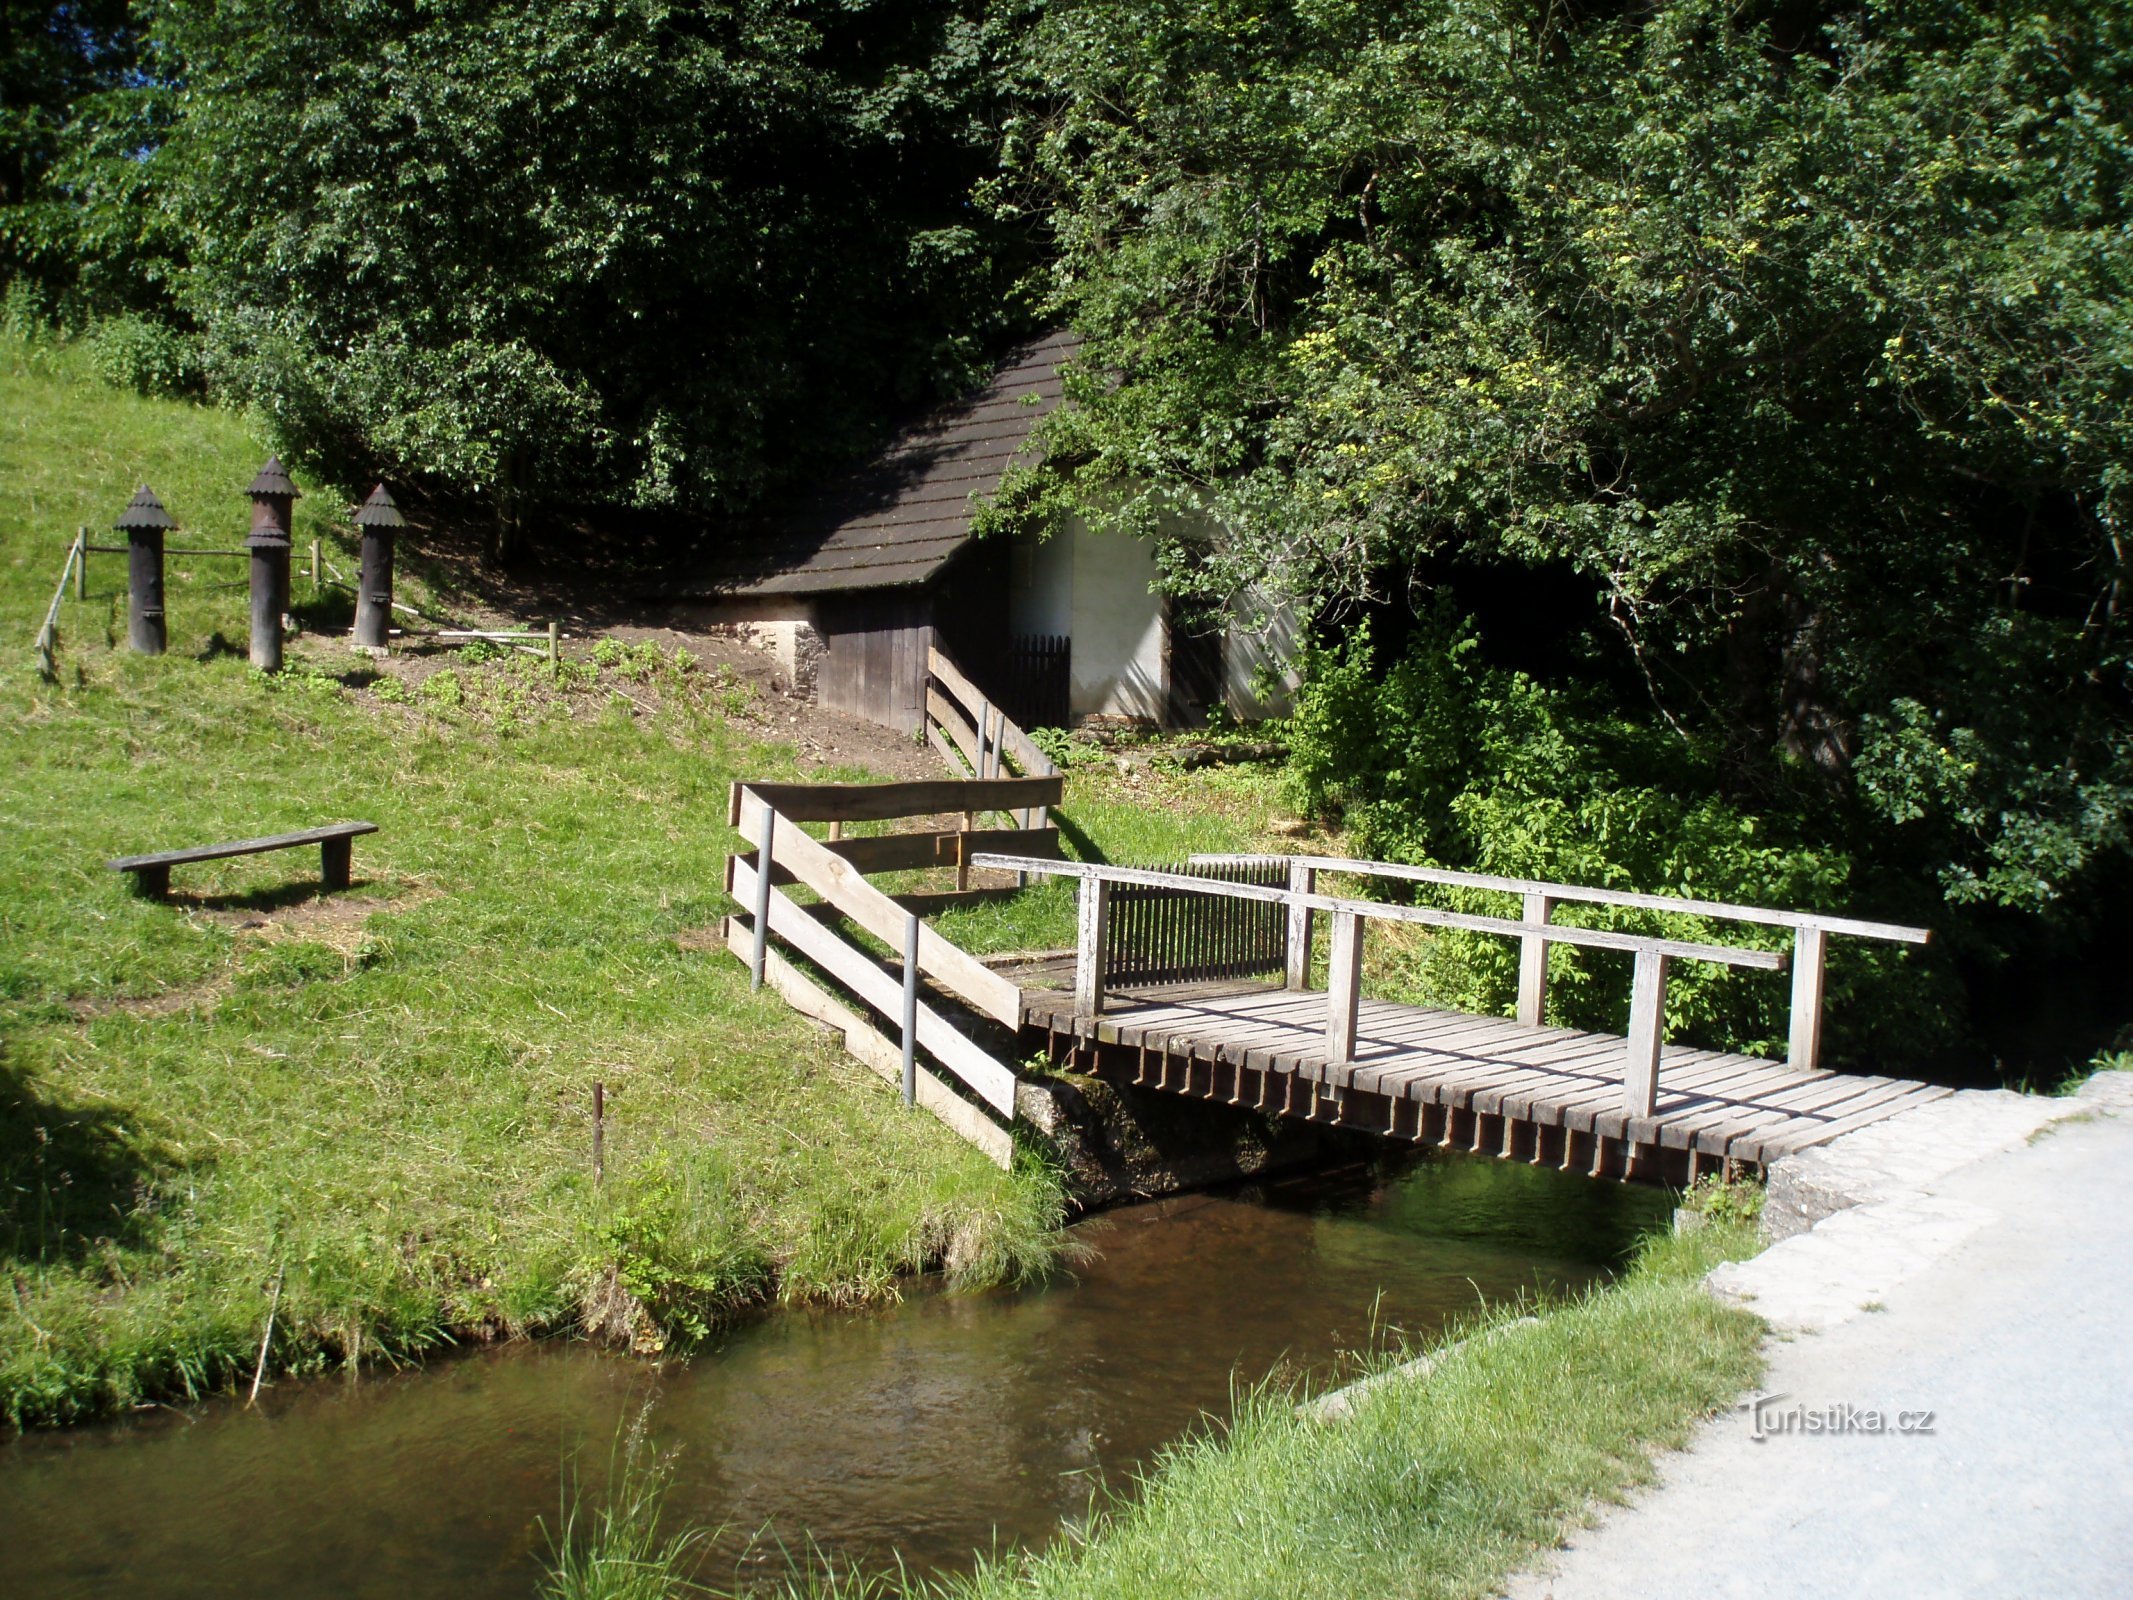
(680, 1244)
(538, 252)
(1443, 760)
(1800, 336)
(147, 357)
(615, 1551)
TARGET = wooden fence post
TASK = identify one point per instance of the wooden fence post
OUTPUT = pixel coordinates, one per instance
(761, 951)
(1303, 879)
(1804, 1049)
(555, 641)
(81, 563)
(1533, 963)
(1647, 1033)
(1092, 922)
(1344, 977)
(910, 1017)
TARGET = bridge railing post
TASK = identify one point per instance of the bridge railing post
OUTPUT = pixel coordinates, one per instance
(1344, 973)
(1647, 1033)
(1092, 925)
(761, 951)
(910, 1016)
(1303, 879)
(1533, 962)
(1809, 946)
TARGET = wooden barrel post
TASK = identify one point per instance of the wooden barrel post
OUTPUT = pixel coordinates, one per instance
(273, 499)
(378, 518)
(144, 522)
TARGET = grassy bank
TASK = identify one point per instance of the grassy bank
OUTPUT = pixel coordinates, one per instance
(371, 1111)
(1435, 1486)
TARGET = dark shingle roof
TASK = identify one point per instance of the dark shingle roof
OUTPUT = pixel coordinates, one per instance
(899, 518)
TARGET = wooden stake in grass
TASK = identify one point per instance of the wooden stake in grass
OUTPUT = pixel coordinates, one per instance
(259, 1370)
(599, 1134)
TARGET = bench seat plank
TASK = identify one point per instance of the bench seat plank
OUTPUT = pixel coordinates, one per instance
(242, 847)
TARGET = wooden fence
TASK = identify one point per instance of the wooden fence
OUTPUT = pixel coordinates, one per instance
(770, 815)
(1164, 935)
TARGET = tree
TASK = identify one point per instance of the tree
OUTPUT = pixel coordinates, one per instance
(632, 252)
(1806, 342)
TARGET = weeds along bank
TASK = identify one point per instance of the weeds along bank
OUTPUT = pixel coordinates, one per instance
(380, 1102)
(1438, 1483)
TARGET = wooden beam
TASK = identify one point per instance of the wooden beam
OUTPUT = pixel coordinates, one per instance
(1092, 924)
(1344, 986)
(880, 802)
(1763, 915)
(1804, 1049)
(908, 852)
(840, 883)
(1647, 1034)
(1533, 962)
(950, 716)
(1303, 879)
(1425, 916)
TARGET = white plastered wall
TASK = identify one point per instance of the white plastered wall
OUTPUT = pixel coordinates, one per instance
(1099, 590)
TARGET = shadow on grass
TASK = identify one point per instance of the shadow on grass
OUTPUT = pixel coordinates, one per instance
(275, 897)
(1084, 847)
(70, 1177)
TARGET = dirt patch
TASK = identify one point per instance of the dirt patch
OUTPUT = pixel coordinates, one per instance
(336, 921)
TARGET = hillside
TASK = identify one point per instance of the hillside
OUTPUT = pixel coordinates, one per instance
(380, 1102)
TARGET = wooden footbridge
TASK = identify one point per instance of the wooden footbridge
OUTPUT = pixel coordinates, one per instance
(1201, 980)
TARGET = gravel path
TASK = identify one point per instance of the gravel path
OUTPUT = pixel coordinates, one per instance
(2001, 1304)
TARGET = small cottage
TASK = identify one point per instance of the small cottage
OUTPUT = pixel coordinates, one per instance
(852, 586)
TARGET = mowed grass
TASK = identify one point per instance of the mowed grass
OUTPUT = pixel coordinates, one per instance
(381, 1102)
(1437, 1486)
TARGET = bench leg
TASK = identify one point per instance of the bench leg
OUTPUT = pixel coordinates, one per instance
(334, 858)
(151, 883)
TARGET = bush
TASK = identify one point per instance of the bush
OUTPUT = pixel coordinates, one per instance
(147, 357)
(1444, 760)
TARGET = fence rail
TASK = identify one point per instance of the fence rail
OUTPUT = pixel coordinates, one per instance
(1811, 930)
(770, 816)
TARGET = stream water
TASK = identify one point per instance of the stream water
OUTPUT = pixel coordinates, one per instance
(925, 1431)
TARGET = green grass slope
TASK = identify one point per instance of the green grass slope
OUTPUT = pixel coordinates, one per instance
(380, 1103)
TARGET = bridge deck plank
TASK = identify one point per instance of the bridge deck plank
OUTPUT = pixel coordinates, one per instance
(1712, 1102)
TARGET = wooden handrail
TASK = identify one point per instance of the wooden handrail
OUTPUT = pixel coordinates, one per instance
(881, 802)
(1811, 931)
(1377, 910)
(1762, 915)
(1647, 1018)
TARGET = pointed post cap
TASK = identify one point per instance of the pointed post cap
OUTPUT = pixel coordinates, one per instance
(273, 481)
(144, 513)
(379, 511)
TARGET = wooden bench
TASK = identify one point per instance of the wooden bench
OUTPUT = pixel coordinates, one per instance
(335, 841)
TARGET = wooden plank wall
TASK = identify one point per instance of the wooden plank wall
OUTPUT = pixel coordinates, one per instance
(1159, 935)
(874, 653)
